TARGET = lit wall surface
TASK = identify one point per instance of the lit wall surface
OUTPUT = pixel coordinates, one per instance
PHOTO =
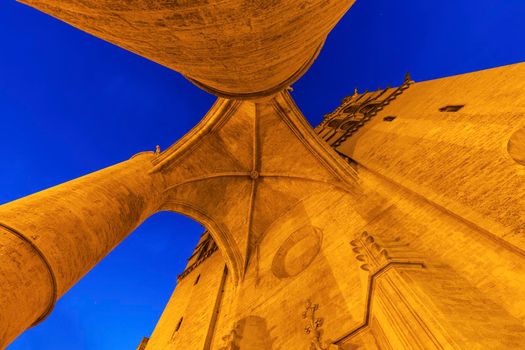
(71, 104)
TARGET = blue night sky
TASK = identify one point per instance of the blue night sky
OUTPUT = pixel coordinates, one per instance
(71, 104)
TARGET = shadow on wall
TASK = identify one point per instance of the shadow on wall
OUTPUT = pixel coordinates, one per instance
(252, 333)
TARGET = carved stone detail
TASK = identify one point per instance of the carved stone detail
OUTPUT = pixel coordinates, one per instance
(355, 111)
(374, 255)
(377, 259)
(370, 253)
(290, 261)
(313, 328)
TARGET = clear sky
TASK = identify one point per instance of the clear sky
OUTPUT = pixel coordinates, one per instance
(71, 104)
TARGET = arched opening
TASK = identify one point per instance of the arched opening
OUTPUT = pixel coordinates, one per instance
(137, 278)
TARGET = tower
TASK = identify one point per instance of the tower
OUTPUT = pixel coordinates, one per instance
(196, 301)
(395, 224)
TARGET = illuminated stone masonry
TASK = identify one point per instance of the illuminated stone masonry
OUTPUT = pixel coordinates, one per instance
(400, 224)
(411, 272)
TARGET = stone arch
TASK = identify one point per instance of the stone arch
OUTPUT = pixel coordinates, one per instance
(231, 255)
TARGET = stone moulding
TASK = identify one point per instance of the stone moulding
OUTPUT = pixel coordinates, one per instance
(53, 281)
(376, 260)
(372, 283)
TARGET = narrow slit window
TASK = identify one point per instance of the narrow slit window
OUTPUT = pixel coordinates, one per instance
(197, 279)
(179, 324)
(451, 108)
(175, 331)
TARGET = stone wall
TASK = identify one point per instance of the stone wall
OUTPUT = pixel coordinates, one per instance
(424, 253)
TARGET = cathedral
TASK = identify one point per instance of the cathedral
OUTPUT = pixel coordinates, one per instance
(396, 223)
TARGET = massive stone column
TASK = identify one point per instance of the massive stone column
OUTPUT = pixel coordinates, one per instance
(231, 48)
(50, 239)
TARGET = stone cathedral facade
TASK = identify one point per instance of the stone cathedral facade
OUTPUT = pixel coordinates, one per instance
(397, 223)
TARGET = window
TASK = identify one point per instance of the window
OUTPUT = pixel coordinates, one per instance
(351, 124)
(197, 279)
(389, 118)
(369, 108)
(351, 109)
(179, 324)
(334, 123)
(451, 108)
(174, 334)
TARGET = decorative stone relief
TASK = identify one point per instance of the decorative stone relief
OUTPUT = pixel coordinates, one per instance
(355, 111)
(374, 255)
(377, 258)
(370, 253)
(516, 146)
(313, 328)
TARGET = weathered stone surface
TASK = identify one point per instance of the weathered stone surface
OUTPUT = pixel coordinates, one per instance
(27, 286)
(516, 146)
(388, 266)
(468, 161)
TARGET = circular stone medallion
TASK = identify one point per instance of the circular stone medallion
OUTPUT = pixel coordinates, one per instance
(297, 252)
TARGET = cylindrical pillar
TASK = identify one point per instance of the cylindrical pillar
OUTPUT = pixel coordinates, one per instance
(237, 49)
(50, 239)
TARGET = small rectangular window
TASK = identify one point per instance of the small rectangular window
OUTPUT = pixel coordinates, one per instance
(389, 118)
(451, 108)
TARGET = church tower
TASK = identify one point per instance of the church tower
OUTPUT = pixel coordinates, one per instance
(196, 302)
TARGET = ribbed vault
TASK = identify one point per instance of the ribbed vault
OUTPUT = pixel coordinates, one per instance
(243, 166)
